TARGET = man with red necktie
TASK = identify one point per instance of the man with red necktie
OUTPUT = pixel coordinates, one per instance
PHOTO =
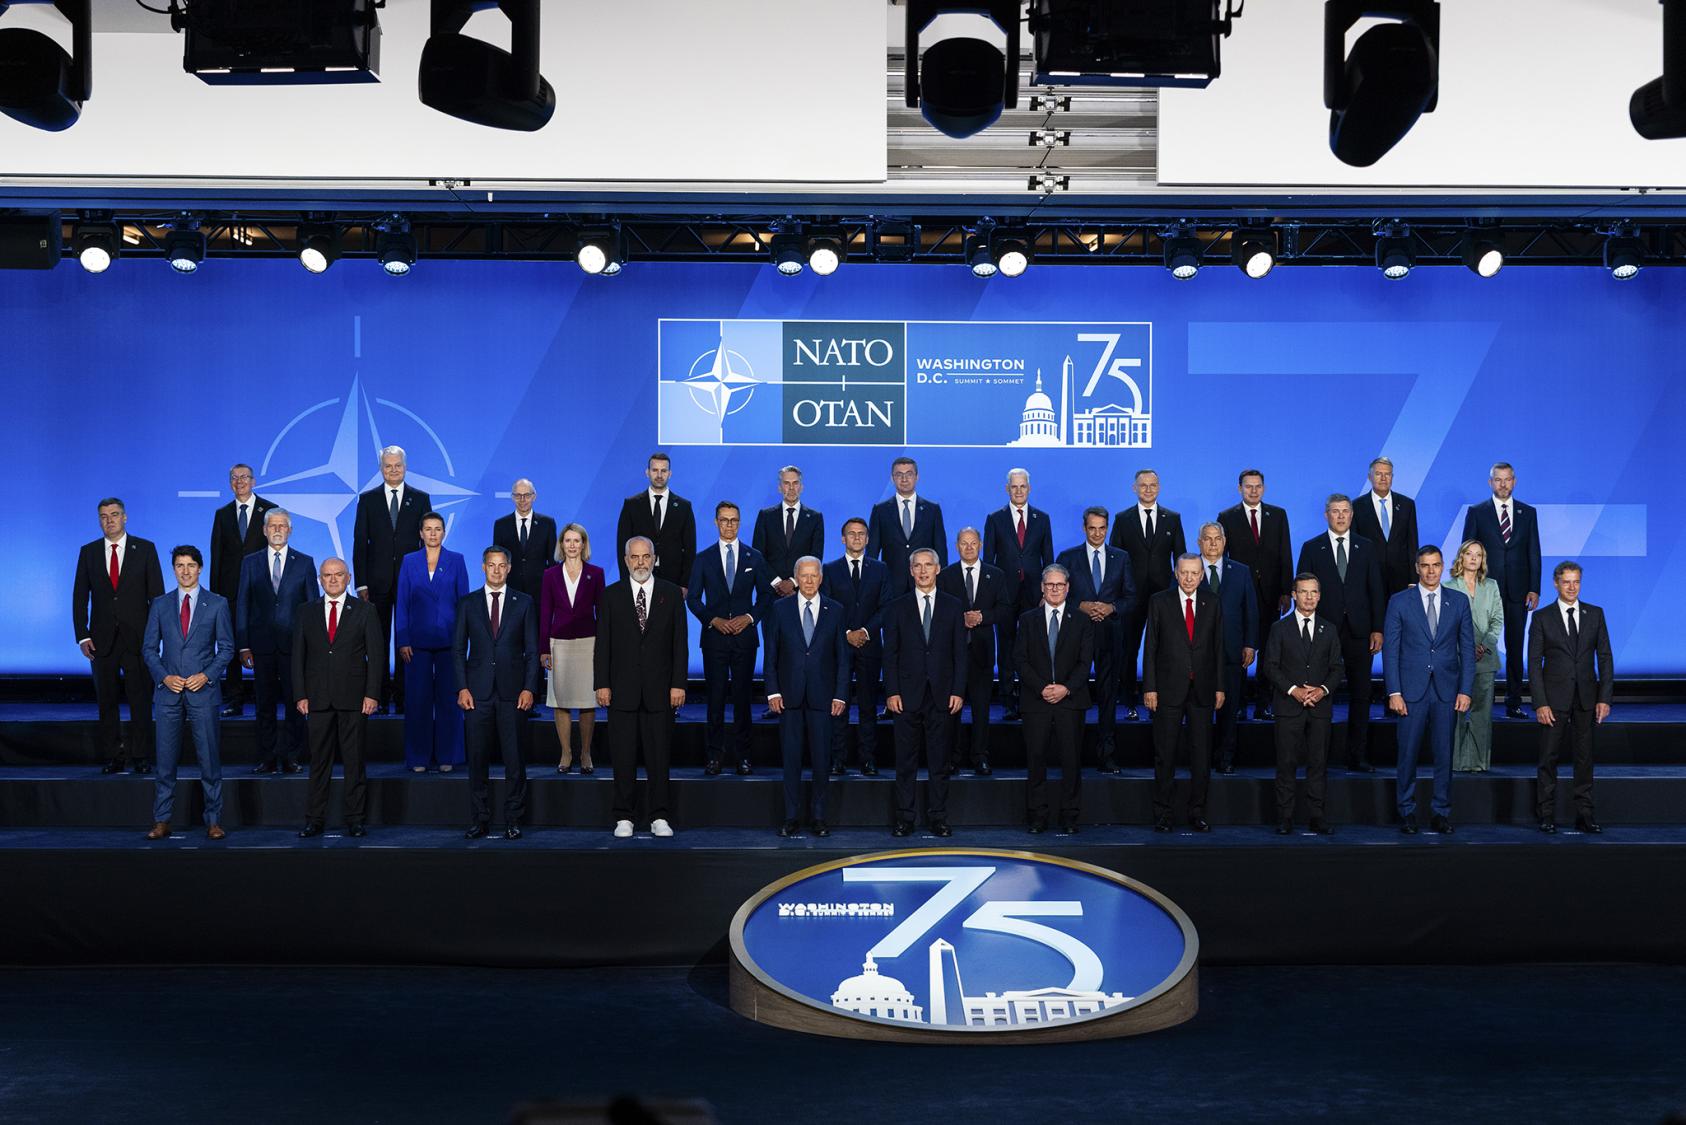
(339, 660)
(1182, 683)
(1020, 540)
(117, 576)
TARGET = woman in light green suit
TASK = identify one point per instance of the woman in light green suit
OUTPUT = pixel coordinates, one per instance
(1472, 751)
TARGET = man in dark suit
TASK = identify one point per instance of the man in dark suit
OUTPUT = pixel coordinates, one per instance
(903, 524)
(1020, 540)
(1573, 683)
(339, 657)
(1302, 664)
(275, 583)
(1182, 683)
(496, 652)
(731, 591)
(1510, 530)
(1257, 537)
(117, 576)
(1054, 648)
(664, 518)
(1152, 535)
(787, 531)
(861, 585)
(639, 668)
(1238, 600)
(807, 682)
(925, 684)
(236, 531)
(1349, 572)
(388, 527)
(1428, 662)
(529, 537)
(1389, 520)
(1104, 590)
(986, 595)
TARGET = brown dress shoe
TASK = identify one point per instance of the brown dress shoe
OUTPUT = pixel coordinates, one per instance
(160, 829)
(215, 832)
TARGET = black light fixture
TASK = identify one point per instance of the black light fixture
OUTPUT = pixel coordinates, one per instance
(1182, 254)
(184, 245)
(1394, 253)
(1253, 251)
(599, 252)
(1624, 254)
(1482, 256)
(396, 247)
(41, 84)
(977, 255)
(1108, 43)
(97, 245)
(790, 251)
(1011, 250)
(1658, 108)
(1391, 78)
(318, 247)
(279, 42)
(961, 84)
(480, 83)
(825, 250)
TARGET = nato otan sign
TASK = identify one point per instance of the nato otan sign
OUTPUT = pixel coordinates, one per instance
(946, 945)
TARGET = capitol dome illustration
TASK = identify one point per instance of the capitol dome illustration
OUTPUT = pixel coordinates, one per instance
(1039, 424)
(870, 994)
(1105, 425)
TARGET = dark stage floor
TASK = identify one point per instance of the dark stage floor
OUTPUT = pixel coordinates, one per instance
(273, 1046)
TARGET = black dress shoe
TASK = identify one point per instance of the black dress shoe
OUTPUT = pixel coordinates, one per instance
(788, 829)
(1263, 714)
(837, 769)
(1587, 824)
(902, 828)
(1285, 828)
(475, 831)
(982, 768)
(1226, 767)
(1198, 823)
(1068, 826)
(1038, 825)
(291, 767)
(1359, 765)
(1132, 715)
(1163, 824)
(356, 829)
(230, 710)
(744, 768)
(1549, 827)
(264, 767)
(1440, 824)
(314, 828)
(143, 766)
(869, 769)
(1516, 713)
(941, 828)
(512, 832)
(712, 769)
(1321, 826)
(883, 717)
(116, 765)
(821, 829)
(1011, 715)
(1109, 765)
(1408, 826)
(766, 716)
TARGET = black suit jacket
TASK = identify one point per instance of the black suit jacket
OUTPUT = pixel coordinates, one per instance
(1153, 564)
(1022, 566)
(338, 676)
(917, 669)
(228, 549)
(1074, 654)
(1118, 583)
(527, 575)
(1287, 663)
(1271, 560)
(863, 607)
(1560, 673)
(501, 667)
(884, 538)
(376, 546)
(1355, 606)
(675, 540)
(1514, 566)
(1399, 550)
(97, 611)
(1178, 671)
(768, 538)
(995, 598)
(640, 668)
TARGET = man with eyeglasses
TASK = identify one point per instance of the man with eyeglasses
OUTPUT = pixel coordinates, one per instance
(236, 531)
(1053, 649)
(530, 539)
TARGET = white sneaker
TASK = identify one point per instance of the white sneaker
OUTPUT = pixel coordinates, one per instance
(623, 829)
(660, 828)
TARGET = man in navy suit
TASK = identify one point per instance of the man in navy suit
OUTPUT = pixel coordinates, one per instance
(1020, 540)
(730, 592)
(236, 531)
(861, 585)
(925, 683)
(903, 524)
(1054, 649)
(189, 640)
(1103, 588)
(496, 651)
(1182, 684)
(1389, 520)
(1302, 663)
(529, 537)
(1152, 535)
(807, 680)
(387, 527)
(1256, 536)
(274, 583)
(1428, 663)
(1238, 598)
(787, 531)
(986, 596)
(1349, 572)
(337, 670)
(1510, 530)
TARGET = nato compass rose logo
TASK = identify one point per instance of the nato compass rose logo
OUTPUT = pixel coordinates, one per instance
(721, 382)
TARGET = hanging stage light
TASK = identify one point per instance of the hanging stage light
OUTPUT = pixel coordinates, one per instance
(1108, 43)
(40, 84)
(1391, 78)
(825, 251)
(1482, 256)
(184, 246)
(977, 255)
(396, 248)
(961, 84)
(1011, 250)
(471, 79)
(1658, 108)
(97, 245)
(1182, 255)
(279, 42)
(599, 252)
(1253, 251)
(1394, 253)
(790, 252)
(1623, 256)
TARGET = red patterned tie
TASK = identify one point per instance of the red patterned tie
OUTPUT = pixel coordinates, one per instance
(1504, 522)
(1253, 516)
(1021, 529)
(333, 619)
(186, 613)
(114, 571)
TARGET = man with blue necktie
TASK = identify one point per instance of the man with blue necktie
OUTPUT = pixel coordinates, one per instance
(237, 530)
(1103, 589)
(905, 523)
(807, 671)
(1428, 665)
(1237, 595)
(924, 684)
(730, 592)
(189, 640)
(274, 584)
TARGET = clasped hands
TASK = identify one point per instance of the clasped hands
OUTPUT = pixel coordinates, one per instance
(731, 626)
(1307, 695)
(179, 684)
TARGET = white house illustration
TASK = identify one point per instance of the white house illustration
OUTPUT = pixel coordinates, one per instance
(1109, 425)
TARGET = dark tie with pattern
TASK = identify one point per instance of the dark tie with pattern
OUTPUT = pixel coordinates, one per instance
(497, 622)
(643, 611)
(1504, 522)
(1212, 576)
(925, 619)
(1053, 635)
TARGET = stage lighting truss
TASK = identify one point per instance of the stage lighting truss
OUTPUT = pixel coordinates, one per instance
(1129, 42)
(41, 85)
(279, 42)
(96, 245)
(1254, 252)
(1658, 108)
(962, 83)
(1391, 77)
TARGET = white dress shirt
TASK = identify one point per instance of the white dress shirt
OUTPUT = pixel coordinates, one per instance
(503, 601)
(1563, 609)
(1143, 512)
(1384, 508)
(122, 544)
(328, 605)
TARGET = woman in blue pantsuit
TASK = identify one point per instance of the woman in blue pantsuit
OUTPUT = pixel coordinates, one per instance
(430, 581)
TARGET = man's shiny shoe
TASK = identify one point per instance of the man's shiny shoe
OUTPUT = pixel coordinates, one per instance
(1011, 715)
(1226, 767)
(475, 831)
(143, 766)
(512, 832)
(264, 767)
(216, 832)
(869, 769)
(982, 768)
(1516, 712)
(1408, 826)
(1163, 824)
(1132, 715)
(116, 765)
(1321, 826)
(1038, 825)
(159, 830)
(1285, 828)
(789, 828)
(291, 768)
(1588, 825)
(837, 769)
(1440, 824)
(314, 828)
(1068, 826)
(1198, 823)
(902, 828)
(941, 828)
(1263, 714)
(712, 769)
(1549, 827)
(230, 710)
(821, 829)
(1359, 765)
(1109, 764)
(356, 829)
(744, 768)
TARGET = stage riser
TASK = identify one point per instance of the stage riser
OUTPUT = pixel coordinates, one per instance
(733, 802)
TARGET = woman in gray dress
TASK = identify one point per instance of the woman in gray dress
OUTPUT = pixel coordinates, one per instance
(1472, 749)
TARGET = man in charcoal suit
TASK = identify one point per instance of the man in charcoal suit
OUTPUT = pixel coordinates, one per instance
(1348, 568)
(1573, 682)
(275, 584)
(903, 524)
(1237, 598)
(986, 595)
(529, 537)
(1256, 536)
(1020, 540)
(1302, 663)
(1182, 684)
(236, 531)
(388, 527)
(924, 685)
(664, 518)
(1389, 520)
(1152, 535)
(861, 585)
(1054, 650)
(496, 652)
(117, 577)
(339, 658)
(1510, 530)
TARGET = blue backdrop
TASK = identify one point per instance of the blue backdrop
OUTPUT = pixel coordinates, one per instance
(148, 385)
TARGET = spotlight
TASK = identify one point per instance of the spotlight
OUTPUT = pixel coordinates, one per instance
(962, 84)
(41, 85)
(1011, 250)
(1254, 251)
(789, 252)
(825, 252)
(396, 248)
(97, 245)
(1107, 43)
(471, 79)
(1394, 255)
(279, 42)
(1182, 256)
(1658, 108)
(978, 256)
(184, 246)
(1391, 78)
(1482, 256)
(599, 252)
(318, 248)
(1623, 255)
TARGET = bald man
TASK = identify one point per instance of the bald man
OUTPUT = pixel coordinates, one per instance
(529, 537)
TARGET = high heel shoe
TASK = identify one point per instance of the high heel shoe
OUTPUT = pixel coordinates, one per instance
(565, 765)
(586, 766)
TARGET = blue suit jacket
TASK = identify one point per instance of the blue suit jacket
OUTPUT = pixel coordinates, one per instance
(263, 616)
(1118, 581)
(1516, 567)
(1001, 548)
(751, 593)
(884, 538)
(807, 674)
(863, 611)
(207, 647)
(425, 613)
(1239, 600)
(500, 667)
(1414, 663)
(915, 668)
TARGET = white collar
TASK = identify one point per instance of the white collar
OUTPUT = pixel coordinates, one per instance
(1564, 606)
(813, 602)
(1304, 620)
(911, 498)
(796, 507)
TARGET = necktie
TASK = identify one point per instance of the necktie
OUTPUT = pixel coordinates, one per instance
(1095, 570)
(1504, 521)
(971, 589)
(392, 509)
(656, 512)
(855, 575)
(1574, 630)
(925, 620)
(1212, 576)
(643, 611)
(186, 613)
(496, 620)
(731, 567)
(275, 571)
(808, 624)
(789, 525)
(1021, 532)
(333, 619)
(1188, 618)
(1387, 520)
(115, 573)
(243, 522)
(1148, 533)
(1433, 616)
(1253, 517)
(1053, 635)
(1305, 631)
(1340, 556)
(523, 533)
(907, 519)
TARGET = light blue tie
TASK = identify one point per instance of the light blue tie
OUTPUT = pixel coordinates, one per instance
(907, 519)
(925, 619)
(808, 624)
(731, 567)
(1433, 617)
(1053, 636)
(275, 571)
(1387, 520)
(1095, 570)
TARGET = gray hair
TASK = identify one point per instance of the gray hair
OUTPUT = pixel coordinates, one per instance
(1011, 473)
(644, 539)
(1189, 556)
(1055, 568)
(1215, 525)
(1388, 461)
(923, 551)
(818, 565)
(968, 530)
(791, 469)
(1497, 465)
(278, 513)
(1337, 498)
(394, 451)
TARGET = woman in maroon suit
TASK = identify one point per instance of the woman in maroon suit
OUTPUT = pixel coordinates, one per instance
(568, 616)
